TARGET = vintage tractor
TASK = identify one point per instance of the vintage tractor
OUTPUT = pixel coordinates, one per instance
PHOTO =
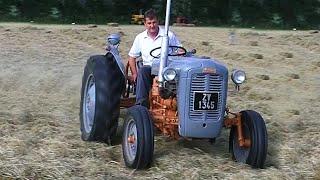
(187, 100)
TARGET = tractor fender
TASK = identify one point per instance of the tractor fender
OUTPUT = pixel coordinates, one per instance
(114, 51)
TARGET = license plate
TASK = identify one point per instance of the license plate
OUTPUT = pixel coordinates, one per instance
(203, 101)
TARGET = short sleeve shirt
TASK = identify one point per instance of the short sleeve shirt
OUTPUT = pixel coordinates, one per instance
(143, 44)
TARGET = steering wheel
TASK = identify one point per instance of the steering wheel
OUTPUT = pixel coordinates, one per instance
(172, 51)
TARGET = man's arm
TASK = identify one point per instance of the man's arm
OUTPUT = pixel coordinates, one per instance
(132, 65)
(173, 39)
(134, 52)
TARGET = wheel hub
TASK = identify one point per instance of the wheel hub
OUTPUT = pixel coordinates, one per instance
(242, 152)
(131, 140)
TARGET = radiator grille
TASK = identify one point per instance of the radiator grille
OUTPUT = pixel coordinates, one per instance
(205, 82)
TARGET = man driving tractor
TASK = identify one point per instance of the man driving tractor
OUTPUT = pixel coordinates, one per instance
(188, 98)
(144, 42)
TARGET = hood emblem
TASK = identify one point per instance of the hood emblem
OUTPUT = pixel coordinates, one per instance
(209, 70)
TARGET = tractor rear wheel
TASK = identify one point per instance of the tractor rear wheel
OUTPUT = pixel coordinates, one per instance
(254, 129)
(138, 138)
(102, 84)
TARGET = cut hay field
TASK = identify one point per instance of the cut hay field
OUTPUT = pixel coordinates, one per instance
(41, 68)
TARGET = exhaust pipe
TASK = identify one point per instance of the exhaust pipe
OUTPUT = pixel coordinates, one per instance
(164, 46)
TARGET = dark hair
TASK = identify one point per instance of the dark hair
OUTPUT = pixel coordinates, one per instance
(150, 14)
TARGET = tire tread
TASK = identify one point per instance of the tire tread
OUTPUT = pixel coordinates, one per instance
(108, 92)
(259, 138)
(145, 135)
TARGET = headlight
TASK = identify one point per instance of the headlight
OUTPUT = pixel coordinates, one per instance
(113, 39)
(169, 74)
(238, 76)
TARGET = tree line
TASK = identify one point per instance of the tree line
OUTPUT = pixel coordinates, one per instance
(243, 13)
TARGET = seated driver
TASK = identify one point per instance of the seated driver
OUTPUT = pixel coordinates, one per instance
(144, 42)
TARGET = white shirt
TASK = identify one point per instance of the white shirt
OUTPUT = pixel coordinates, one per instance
(143, 44)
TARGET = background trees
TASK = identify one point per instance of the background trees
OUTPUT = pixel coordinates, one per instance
(245, 13)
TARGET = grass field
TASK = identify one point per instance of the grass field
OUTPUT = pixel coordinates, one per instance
(40, 80)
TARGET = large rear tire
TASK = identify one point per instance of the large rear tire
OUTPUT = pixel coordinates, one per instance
(102, 85)
(138, 138)
(254, 128)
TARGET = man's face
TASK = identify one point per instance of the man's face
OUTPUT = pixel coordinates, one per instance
(151, 25)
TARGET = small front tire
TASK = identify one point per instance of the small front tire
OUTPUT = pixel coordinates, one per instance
(254, 129)
(138, 138)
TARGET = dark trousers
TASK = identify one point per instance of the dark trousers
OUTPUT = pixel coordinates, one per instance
(143, 87)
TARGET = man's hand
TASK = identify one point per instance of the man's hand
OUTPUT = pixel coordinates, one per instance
(133, 78)
(132, 65)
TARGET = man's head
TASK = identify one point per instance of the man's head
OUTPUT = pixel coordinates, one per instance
(151, 21)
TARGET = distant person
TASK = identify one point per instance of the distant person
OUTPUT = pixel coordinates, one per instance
(143, 43)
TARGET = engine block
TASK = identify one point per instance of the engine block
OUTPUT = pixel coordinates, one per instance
(164, 112)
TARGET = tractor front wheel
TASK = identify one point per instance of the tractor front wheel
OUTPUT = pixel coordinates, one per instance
(138, 138)
(254, 129)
